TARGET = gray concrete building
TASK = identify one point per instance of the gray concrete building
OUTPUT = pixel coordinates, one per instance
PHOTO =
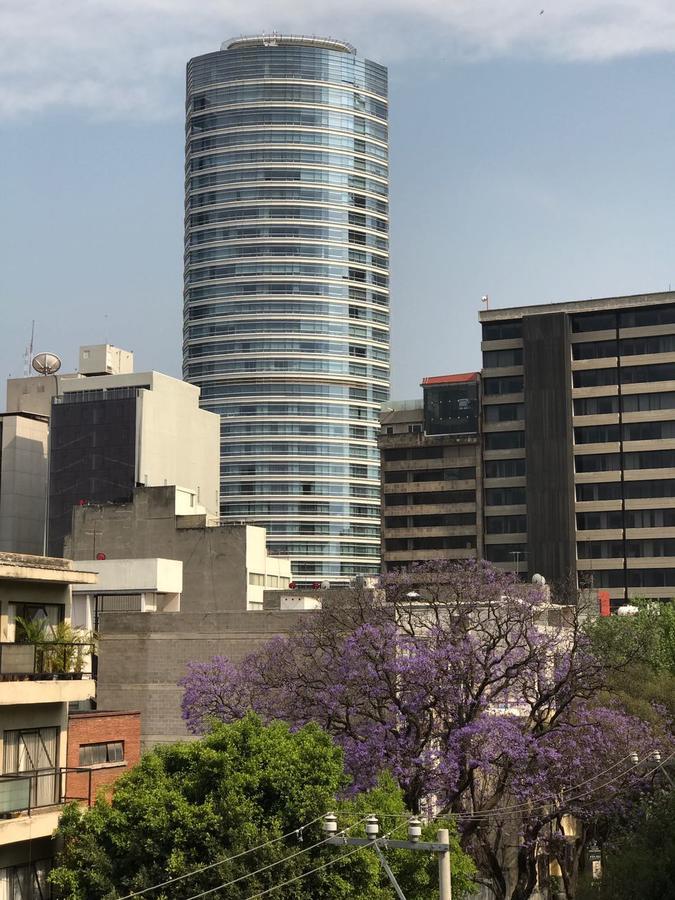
(579, 442)
(431, 474)
(146, 643)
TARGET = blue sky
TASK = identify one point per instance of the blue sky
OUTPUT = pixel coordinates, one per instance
(531, 159)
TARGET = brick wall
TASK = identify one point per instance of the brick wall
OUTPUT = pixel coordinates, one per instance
(100, 727)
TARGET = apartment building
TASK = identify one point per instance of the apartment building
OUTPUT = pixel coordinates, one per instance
(579, 442)
(431, 474)
(38, 681)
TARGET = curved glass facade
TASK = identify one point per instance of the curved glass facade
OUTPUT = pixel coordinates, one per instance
(286, 327)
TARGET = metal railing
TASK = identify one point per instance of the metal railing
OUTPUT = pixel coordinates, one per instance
(25, 792)
(46, 660)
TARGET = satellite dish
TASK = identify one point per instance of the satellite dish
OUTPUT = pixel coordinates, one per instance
(538, 579)
(46, 363)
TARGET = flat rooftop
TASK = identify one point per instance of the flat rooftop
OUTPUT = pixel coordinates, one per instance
(601, 304)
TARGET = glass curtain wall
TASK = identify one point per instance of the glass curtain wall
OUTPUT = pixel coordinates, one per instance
(286, 325)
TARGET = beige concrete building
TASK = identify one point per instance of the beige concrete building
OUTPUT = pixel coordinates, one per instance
(431, 474)
(108, 429)
(23, 478)
(37, 684)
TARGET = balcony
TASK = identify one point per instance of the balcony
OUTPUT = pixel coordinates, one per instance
(30, 802)
(46, 672)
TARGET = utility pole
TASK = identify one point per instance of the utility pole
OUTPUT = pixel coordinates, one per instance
(444, 875)
(441, 847)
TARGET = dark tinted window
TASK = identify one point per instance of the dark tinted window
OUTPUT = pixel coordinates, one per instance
(594, 350)
(648, 431)
(591, 521)
(505, 524)
(654, 459)
(505, 468)
(596, 406)
(635, 490)
(597, 462)
(502, 331)
(600, 549)
(504, 412)
(593, 321)
(499, 359)
(648, 402)
(595, 377)
(496, 386)
(505, 553)
(640, 374)
(506, 496)
(596, 434)
(609, 490)
(505, 440)
(650, 518)
(655, 315)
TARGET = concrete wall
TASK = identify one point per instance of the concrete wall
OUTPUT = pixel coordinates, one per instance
(178, 443)
(214, 559)
(142, 657)
(23, 483)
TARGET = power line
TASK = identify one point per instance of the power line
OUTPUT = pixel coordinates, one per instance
(219, 887)
(331, 862)
(225, 859)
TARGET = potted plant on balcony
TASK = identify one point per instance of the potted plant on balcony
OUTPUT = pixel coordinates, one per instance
(62, 647)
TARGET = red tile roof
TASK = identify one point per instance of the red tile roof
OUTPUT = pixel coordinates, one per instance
(450, 379)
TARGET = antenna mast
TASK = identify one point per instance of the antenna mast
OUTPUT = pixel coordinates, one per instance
(28, 354)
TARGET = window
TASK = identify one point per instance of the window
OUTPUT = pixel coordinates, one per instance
(640, 374)
(607, 490)
(506, 524)
(600, 550)
(594, 321)
(650, 518)
(101, 754)
(654, 459)
(500, 359)
(648, 402)
(655, 315)
(595, 377)
(35, 750)
(594, 350)
(505, 468)
(596, 406)
(661, 343)
(506, 553)
(506, 496)
(414, 429)
(642, 489)
(26, 881)
(256, 579)
(504, 412)
(493, 387)
(597, 462)
(505, 440)
(596, 434)
(648, 431)
(502, 331)
(591, 521)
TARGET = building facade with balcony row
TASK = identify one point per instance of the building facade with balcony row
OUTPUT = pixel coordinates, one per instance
(575, 444)
(49, 752)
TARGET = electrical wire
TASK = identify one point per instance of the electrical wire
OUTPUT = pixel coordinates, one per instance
(331, 862)
(225, 859)
(279, 862)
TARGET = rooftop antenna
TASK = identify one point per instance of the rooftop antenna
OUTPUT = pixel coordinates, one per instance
(28, 353)
(46, 363)
(486, 300)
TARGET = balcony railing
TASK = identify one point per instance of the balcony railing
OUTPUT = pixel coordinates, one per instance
(25, 792)
(47, 660)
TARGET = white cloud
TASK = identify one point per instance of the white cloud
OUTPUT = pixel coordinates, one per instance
(125, 58)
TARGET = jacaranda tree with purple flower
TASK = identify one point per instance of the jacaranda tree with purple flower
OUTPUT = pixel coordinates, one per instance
(472, 689)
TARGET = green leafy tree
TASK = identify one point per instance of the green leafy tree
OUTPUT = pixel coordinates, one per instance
(191, 804)
(640, 863)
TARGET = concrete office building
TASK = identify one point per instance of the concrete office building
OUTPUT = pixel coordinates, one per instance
(286, 289)
(579, 442)
(172, 588)
(24, 441)
(431, 474)
(109, 430)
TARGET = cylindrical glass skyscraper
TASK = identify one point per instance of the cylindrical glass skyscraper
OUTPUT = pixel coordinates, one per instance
(286, 289)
